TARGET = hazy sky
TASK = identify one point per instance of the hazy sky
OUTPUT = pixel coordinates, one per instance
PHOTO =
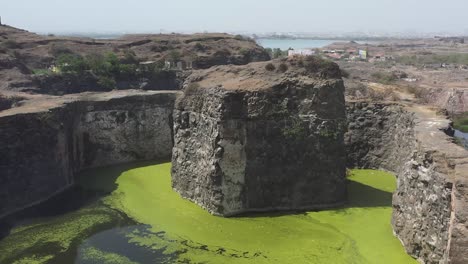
(237, 15)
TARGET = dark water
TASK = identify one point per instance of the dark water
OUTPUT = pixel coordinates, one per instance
(462, 138)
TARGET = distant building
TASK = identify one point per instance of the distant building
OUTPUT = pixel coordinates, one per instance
(336, 56)
(340, 51)
(301, 52)
(363, 54)
(179, 65)
(147, 62)
(352, 51)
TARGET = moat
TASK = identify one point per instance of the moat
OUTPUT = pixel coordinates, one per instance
(263, 142)
(130, 214)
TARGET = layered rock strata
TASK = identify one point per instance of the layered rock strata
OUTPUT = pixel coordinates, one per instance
(45, 144)
(254, 139)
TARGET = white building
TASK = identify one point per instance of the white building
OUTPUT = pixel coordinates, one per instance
(301, 52)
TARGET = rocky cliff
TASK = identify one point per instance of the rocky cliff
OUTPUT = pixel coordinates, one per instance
(380, 136)
(45, 144)
(255, 139)
(25, 58)
(455, 100)
(429, 215)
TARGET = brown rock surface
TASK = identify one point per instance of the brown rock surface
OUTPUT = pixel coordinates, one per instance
(252, 139)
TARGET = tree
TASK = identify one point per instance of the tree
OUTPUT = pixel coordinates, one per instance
(277, 53)
(130, 57)
(174, 55)
(283, 67)
(69, 63)
(270, 67)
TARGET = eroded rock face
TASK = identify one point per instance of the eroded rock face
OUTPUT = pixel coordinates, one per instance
(125, 130)
(431, 201)
(379, 136)
(272, 143)
(454, 99)
(422, 207)
(35, 161)
(41, 151)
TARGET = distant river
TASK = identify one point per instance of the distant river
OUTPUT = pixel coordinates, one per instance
(285, 44)
(463, 138)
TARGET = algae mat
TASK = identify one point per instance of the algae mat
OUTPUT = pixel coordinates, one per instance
(173, 230)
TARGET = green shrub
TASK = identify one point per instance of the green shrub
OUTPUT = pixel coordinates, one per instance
(130, 57)
(97, 64)
(160, 48)
(107, 82)
(244, 52)
(58, 49)
(108, 65)
(127, 71)
(69, 63)
(239, 37)
(198, 46)
(270, 67)
(277, 53)
(384, 77)
(174, 55)
(417, 91)
(460, 122)
(41, 71)
(295, 130)
(283, 67)
(322, 67)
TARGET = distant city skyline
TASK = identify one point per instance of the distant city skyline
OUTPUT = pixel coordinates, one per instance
(261, 16)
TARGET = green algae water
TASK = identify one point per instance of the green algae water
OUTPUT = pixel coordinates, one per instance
(141, 220)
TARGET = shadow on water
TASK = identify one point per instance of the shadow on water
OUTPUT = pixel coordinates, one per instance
(461, 138)
(87, 189)
(359, 195)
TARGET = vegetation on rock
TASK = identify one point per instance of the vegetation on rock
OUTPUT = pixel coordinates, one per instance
(109, 68)
(317, 65)
(283, 67)
(384, 77)
(270, 67)
(460, 122)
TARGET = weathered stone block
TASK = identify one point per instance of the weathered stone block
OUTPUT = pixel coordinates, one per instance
(260, 142)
